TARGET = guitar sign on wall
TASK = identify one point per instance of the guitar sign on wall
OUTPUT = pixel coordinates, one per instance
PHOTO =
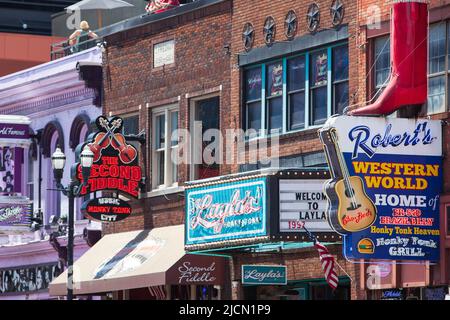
(386, 180)
(115, 168)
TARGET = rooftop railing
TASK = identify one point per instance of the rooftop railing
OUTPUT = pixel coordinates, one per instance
(62, 49)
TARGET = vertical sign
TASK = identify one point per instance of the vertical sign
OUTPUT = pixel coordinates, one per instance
(387, 177)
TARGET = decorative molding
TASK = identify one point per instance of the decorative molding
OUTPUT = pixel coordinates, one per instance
(269, 30)
(313, 17)
(337, 12)
(248, 36)
(290, 25)
(50, 102)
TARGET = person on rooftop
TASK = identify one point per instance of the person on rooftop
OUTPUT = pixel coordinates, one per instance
(78, 39)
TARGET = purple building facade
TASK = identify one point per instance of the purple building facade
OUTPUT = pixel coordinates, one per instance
(52, 105)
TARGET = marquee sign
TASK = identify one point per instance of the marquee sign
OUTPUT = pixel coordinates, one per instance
(226, 212)
(303, 200)
(107, 209)
(387, 177)
(115, 168)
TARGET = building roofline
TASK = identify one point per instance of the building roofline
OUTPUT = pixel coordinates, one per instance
(146, 19)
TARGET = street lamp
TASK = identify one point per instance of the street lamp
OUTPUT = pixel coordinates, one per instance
(71, 191)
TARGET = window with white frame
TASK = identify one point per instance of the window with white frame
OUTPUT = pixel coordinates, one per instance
(296, 92)
(382, 67)
(437, 69)
(165, 143)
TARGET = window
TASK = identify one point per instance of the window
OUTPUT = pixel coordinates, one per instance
(130, 125)
(253, 88)
(164, 170)
(274, 100)
(447, 209)
(437, 70)
(382, 67)
(296, 92)
(438, 66)
(206, 114)
(319, 92)
(340, 79)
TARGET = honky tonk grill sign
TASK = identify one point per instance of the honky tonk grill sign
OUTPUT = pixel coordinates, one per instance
(115, 164)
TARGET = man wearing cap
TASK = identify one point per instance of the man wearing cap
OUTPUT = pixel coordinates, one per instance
(77, 38)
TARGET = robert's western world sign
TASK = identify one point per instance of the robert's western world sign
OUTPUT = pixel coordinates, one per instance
(384, 194)
(115, 168)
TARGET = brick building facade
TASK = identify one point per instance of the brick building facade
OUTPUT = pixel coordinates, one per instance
(133, 86)
(210, 60)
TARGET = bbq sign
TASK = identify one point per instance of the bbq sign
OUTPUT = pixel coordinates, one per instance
(106, 209)
(115, 168)
(115, 161)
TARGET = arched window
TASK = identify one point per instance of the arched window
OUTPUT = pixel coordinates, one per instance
(53, 198)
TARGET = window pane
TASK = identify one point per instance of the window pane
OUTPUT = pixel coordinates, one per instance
(448, 49)
(160, 133)
(340, 63)
(447, 209)
(173, 127)
(275, 115)
(174, 168)
(275, 79)
(437, 48)
(319, 64)
(131, 125)
(207, 112)
(340, 97)
(297, 110)
(253, 84)
(383, 61)
(319, 105)
(296, 73)
(160, 167)
(254, 116)
(436, 94)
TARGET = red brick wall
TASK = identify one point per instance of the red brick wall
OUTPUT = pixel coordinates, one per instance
(132, 85)
(302, 264)
(256, 12)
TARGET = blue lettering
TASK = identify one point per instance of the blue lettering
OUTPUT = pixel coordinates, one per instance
(357, 133)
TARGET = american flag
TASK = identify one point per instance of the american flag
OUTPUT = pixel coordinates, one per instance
(159, 292)
(328, 265)
(154, 6)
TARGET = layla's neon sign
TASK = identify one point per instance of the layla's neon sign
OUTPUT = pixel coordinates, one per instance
(209, 215)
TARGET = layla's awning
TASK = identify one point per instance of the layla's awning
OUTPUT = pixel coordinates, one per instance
(140, 259)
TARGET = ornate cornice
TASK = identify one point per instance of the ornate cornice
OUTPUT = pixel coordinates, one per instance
(55, 101)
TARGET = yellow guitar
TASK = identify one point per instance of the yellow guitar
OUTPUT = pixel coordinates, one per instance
(350, 209)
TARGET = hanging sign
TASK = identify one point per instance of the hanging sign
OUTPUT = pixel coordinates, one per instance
(106, 209)
(264, 275)
(15, 214)
(387, 177)
(115, 168)
(226, 211)
(115, 164)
